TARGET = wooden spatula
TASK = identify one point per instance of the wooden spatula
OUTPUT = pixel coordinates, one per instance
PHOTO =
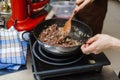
(65, 30)
(67, 26)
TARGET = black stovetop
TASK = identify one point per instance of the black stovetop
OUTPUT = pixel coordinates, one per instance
(44, 68)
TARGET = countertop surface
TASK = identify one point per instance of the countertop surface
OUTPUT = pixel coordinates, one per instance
(107, 73)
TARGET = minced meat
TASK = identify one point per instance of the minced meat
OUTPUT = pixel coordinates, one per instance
(52, 36)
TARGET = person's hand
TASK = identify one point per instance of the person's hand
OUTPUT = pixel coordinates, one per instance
(82, 4)
(99, 43)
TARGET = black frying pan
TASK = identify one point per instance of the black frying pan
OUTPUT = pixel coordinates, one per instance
(60, 22)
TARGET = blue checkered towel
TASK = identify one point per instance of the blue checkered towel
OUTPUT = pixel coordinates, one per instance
(12, 50)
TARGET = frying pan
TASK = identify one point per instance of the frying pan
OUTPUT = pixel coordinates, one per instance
(78, 25)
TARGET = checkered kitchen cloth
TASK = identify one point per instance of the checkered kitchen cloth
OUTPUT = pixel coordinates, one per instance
(12, 50)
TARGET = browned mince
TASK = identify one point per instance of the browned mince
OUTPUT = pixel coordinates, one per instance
(52, 36)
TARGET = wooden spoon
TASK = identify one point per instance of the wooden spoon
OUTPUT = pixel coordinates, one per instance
(67, 26)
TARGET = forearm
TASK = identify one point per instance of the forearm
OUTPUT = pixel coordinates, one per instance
(115, 43)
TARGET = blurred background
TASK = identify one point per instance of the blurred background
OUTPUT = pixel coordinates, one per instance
(112, 27)
(5, 6)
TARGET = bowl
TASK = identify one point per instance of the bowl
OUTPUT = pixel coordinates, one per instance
(63, 9)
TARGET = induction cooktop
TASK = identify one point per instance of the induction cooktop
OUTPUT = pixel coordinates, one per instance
(48, 67)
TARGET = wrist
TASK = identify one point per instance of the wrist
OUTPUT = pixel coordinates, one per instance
(115, 43)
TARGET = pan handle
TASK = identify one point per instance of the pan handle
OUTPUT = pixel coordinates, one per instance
(24, 35)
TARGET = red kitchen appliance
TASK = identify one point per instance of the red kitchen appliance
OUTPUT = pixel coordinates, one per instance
(27, 13)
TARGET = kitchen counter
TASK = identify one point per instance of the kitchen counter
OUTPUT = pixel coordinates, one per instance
(106, 74)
